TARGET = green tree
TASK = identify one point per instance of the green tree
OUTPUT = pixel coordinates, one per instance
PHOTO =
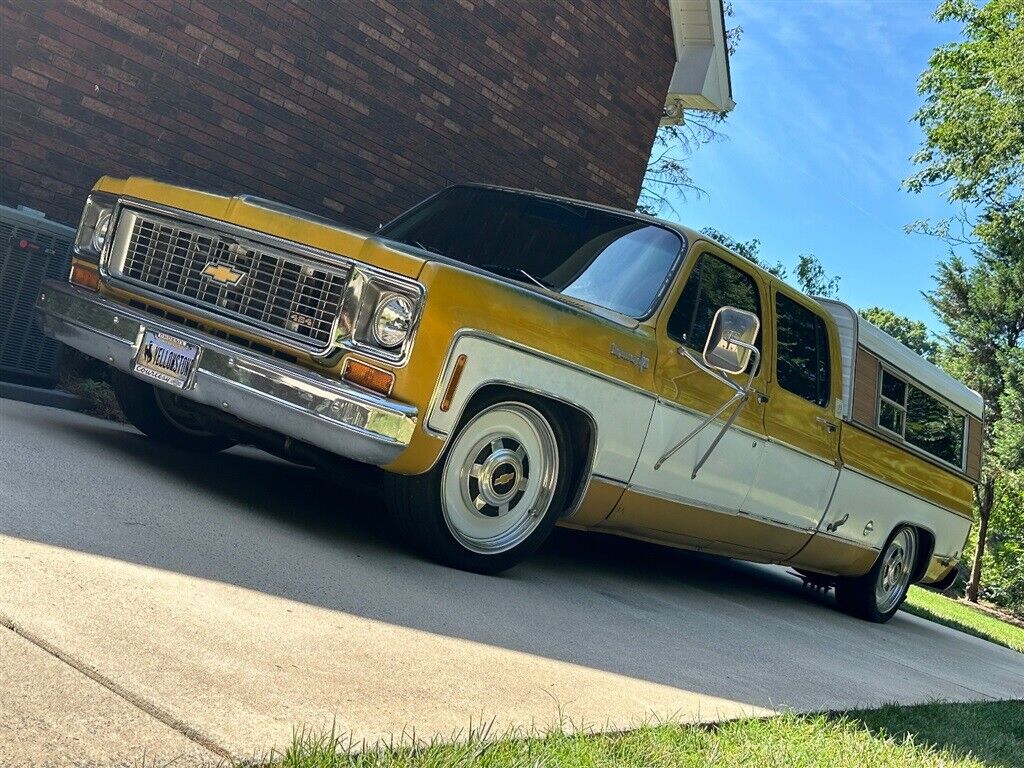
(748, 249)
(972, 117)
(810, 276)
(912, 333)
(973, 148)
(982, 305)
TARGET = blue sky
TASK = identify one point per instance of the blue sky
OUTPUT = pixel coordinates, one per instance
(820, 140)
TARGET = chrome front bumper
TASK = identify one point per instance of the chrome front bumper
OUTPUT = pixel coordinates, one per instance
(270, 393)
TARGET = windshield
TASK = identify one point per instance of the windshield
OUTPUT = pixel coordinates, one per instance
(607, 259)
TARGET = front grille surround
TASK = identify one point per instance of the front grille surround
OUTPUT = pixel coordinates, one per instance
(286, 291)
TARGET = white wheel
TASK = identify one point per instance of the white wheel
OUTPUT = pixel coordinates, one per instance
(893, 579)
(499, 478)
(495, 496)
(876, 596)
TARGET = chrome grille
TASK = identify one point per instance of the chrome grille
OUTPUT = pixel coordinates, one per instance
(291, 295)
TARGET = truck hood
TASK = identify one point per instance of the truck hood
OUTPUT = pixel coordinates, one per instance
(290, 223)
(529, 289)
(272, 218)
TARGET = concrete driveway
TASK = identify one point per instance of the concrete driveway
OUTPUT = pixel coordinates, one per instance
(190, 606)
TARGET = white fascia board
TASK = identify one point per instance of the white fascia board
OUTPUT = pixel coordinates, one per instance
(700, 79)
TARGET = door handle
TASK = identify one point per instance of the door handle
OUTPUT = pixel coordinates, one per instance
(762, 398)
(834, 526)
(830, 426)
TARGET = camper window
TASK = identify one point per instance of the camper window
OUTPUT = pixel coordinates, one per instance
(920, 419)
(934, 427)
(892, 407)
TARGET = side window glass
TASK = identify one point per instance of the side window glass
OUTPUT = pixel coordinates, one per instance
(892, 403)
(712, 284)
(804, 365)
(920, 419)
(934, 427)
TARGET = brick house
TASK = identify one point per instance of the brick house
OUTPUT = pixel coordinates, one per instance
(354, 109)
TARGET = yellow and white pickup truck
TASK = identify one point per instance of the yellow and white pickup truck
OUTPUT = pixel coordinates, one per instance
(513, 361)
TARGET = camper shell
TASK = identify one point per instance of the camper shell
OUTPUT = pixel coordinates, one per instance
(868, 352)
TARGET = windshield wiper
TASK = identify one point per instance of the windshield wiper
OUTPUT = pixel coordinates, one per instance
(514, 273)
(535, 280)
(423, 247)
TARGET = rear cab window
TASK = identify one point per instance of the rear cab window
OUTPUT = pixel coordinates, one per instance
(803, 363)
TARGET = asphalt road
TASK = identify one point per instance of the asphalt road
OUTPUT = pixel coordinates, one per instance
(156, 601)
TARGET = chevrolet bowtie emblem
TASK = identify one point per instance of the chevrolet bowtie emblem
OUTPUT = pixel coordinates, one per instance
(508, 477)
(224, 274)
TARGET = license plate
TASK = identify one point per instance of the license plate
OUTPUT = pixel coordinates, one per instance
(166, 358)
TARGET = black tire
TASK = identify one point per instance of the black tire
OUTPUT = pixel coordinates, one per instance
(155, 413)
(417, 507)
(857, 596)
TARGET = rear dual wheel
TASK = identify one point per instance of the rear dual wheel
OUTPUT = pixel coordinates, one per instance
(496, 493)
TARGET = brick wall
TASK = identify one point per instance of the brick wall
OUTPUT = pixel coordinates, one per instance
(356, 109)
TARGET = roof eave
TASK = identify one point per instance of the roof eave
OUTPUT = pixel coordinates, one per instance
(701, 79)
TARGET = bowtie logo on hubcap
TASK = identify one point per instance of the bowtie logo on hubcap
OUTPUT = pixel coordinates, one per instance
(503, 481)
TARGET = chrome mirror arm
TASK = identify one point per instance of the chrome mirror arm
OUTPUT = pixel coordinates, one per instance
(752, 364)
(700, 428)
(739, 399)
(682, 350)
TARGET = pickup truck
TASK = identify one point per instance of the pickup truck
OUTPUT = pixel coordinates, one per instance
(513, 361)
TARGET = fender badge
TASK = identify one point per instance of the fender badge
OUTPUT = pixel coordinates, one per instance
(640, 360)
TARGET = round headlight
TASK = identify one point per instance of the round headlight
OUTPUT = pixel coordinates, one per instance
(392, 321)
(99, 232)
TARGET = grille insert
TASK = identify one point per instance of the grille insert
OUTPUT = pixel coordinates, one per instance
(250, 282)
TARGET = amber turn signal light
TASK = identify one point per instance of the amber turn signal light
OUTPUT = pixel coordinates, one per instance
(453, 382)
(363, 375)
(85, 276)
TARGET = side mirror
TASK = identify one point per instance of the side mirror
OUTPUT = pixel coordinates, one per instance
(731, 340)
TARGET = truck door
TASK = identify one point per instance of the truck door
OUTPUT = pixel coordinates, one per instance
(795, 481)
(669, 499)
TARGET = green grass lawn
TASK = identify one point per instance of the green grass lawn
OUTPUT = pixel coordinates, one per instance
(989, 734)
(959, 615)
(977, 735)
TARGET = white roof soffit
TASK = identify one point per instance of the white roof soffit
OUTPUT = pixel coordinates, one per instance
(701, 77)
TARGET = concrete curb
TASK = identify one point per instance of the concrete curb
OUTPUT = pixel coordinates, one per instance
(52, 398)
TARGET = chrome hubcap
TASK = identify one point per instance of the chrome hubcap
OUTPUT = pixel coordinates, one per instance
(499, 478)
(897, 568)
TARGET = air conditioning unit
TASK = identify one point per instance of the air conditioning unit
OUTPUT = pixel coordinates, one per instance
(32, 248)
